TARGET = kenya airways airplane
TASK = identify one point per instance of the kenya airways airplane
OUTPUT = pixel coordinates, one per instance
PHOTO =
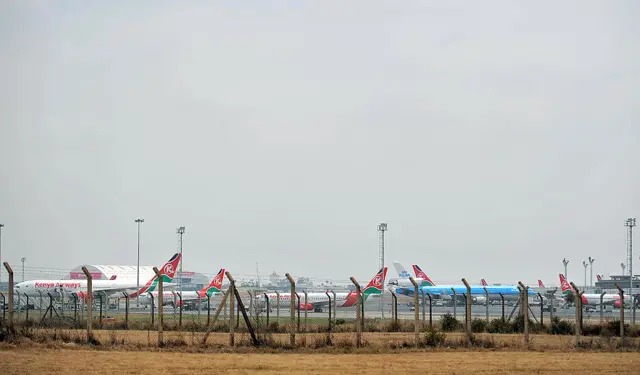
(508, 291)
(540, 283)
(403, 278)
(168, 297)
(33, 287)
(587, 298)
(316, 301)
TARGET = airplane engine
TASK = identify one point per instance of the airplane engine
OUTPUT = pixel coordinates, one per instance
(303, 307)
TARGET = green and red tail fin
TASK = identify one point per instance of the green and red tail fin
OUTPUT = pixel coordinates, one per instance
(421, 275)
(566, 288)
(376, 285)
(214, 286)
(168, 272)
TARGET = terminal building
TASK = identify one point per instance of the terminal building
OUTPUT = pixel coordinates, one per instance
(190, 280)
(609, 286)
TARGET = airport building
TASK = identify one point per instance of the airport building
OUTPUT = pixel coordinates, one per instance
(609, 286)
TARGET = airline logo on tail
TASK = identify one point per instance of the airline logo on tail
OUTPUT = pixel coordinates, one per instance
(113, 277)
(421, 275)
(566, 288)
(599, 277)
(484, 283)
(540, 284)
(168, 271)
(402, 272)
(376, 284)
(215, 286)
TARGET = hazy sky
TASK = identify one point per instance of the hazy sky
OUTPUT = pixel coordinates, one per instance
(495, 138)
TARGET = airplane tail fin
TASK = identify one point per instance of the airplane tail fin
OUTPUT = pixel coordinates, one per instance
(376, 284)
(484, 282)
(566, 288)
(113, 277)
(214, 286)
(599, 277)
(422, 275)
(168, 271)
(540, 284)
(402, 272)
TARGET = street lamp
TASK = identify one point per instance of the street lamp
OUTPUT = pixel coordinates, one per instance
(565, 262)
(591, 260)
(138, 221)
(180, 232)
(585, 264)
(23, 259)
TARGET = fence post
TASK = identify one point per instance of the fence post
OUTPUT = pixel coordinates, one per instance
(100, 316)
(50, 308)
(502, 304)
(578, 301)
(358, 313)
(621, 294)
(3, 309)
(250, 302)
(424, 309)
(541, 310)
(179, 309)
(553, 299)
(266, 299)
(292, 335)
(75, 310)
(89, 302)
(335, 310)
(328, 296)
(525, 307)
(486, 304)
(221, 306)
(602, 307)
(153, 322)
(633, 307)
(10, 290)
(416, 327)
(278, 307)
(393, 303)
(305, 309)
(208, 309)
(175, 305)
(468, 312)
(27, 306)
(430, 310)
(160, 306)
(126, 310)
(232, 285)
(455, 304)
(306, 328)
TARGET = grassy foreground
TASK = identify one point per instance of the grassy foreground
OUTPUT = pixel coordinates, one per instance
(76, 361)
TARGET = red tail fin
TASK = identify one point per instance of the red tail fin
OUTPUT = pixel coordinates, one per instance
(484, 283)
(540, 284)
(566, 288)
(113, 277)
(421, 275)
(599, 277)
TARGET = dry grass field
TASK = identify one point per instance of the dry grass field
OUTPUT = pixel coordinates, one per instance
(78, 361)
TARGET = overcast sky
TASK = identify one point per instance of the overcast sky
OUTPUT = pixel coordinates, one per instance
(495, 138)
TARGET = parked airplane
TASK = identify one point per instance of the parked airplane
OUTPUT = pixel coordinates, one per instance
(171, 297)
(599, 277)
(541, 284)
(587, 298)
(33, 288)
(318, 301)
(508, 292)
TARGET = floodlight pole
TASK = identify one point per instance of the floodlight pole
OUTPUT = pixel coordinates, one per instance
(138, 221)
(591, 260)
(180, 232)
(23, 259)
(565, 262)
(382, 227)
(630, 223)
(1, 226)
(585, 264)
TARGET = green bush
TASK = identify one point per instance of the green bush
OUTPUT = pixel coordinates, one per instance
(434, 338)
(499, 325)
(592, 329)
(561, 327)
(449, 323)
(614, 327)
(478, 325)
(339, 321)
